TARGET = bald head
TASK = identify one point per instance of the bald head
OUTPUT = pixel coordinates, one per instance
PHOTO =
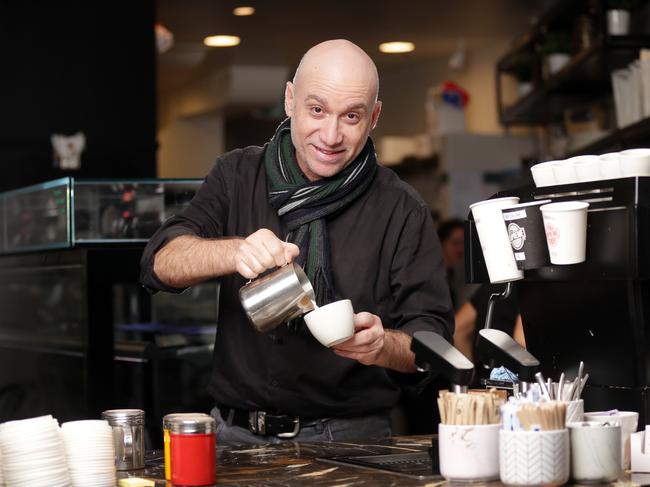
(333, 106)
(342, 61)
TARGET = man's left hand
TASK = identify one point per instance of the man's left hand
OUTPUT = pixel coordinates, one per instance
(367, 342)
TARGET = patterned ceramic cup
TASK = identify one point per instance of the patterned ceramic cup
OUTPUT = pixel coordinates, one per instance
(534, 457)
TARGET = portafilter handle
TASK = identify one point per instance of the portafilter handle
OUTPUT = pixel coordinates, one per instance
(434, 353)
(497, 347)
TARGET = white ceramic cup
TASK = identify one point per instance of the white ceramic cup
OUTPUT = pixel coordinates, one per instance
(332, 323)
(635, 162)
(610, 166)
(565, 224)
(587, 168)
(543, 174)
(565, 172)
(534, 457)
(469, 452)
(628, 420)
(557, 61)
(595, 452)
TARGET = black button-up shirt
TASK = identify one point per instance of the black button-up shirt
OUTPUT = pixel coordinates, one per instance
(385, 257)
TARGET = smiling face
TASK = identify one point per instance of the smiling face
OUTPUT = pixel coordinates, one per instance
(333, 107)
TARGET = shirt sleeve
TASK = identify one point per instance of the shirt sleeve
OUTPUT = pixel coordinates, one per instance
(421, 299)
(206, 216)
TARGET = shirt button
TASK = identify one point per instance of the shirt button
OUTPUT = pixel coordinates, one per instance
(274, 383)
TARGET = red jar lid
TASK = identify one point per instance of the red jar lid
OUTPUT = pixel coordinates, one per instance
(192, 424)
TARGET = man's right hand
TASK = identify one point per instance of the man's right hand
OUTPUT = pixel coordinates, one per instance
(262, 250)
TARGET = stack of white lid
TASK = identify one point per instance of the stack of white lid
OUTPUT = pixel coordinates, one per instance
(90, 452)
(32, 453)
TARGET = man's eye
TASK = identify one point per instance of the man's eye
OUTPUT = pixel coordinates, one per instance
(317, 110)
(353, 116)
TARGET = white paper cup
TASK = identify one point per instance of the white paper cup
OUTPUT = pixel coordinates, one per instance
(595, 452)
(565, 224)
(534, 457)
(332, 323)
(587, 168)
(543, 174)
(565, 172)
(495, 243)
(610, 166)
(469, 452)
(635, 162)
(628, 420)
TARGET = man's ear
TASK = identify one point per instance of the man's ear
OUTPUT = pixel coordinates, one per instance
(288, 99)
(375, 114)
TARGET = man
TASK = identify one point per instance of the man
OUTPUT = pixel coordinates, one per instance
(314, 194)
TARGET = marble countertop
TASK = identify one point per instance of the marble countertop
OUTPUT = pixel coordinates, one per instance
(296, 464)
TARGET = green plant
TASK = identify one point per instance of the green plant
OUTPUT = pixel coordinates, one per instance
(556, 42)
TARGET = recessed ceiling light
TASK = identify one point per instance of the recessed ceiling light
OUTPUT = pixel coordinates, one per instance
(221, 41)
(243, 11)
(396, 47)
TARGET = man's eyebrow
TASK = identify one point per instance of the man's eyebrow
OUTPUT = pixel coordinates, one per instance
(356, 106)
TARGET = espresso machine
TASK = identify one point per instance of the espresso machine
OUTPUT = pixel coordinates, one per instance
(595, 311)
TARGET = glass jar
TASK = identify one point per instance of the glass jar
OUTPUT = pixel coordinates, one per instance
(192, 448)
(128, 437)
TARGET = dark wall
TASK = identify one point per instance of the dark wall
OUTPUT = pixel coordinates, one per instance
(69, 66)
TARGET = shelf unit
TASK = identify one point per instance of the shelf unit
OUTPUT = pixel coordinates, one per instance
(586, 77)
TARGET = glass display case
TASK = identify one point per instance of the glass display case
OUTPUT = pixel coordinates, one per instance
(68, 211)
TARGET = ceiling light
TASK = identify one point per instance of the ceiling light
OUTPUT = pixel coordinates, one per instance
(396, 47)
(243, 11)
(221, 41)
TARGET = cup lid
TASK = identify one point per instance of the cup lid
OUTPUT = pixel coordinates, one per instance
(192, 423)
(124, 416)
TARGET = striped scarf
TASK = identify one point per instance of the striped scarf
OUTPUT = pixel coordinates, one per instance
(303, 205)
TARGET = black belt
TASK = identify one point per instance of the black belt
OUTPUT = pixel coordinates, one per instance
(265, 423)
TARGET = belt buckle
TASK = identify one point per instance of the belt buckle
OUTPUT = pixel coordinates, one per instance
(257, 424)
(291, 434)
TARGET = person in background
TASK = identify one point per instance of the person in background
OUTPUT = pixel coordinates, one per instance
(313, 194)
(452, 239)
(470, 318)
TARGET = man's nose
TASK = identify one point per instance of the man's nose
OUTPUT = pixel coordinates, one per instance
(330, 133)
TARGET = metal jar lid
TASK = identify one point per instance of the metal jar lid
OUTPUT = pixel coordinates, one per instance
(192, 424)
(124, 417)
(169, 417)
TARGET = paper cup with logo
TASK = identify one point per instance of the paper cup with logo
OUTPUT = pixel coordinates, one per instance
(610, 165)
(635, 162)
(543, 174)
(495, 244)
(565, 224)
(469, 453)
(525, 227)
(595, 452)
(587, 168)
(627, 419)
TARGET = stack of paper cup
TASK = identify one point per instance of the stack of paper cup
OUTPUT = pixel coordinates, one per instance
(32, 453)
(90, 453)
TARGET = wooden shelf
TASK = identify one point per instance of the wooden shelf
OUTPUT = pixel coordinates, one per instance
(635, 135)
(587, 76)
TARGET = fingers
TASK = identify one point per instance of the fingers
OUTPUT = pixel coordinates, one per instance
(260, 251)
